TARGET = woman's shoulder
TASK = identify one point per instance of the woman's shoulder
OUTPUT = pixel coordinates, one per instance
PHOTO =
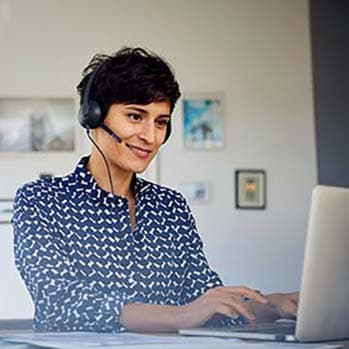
(45, 187)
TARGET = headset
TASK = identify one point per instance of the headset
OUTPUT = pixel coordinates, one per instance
(91, 115)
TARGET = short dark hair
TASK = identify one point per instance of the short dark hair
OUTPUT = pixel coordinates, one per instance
(130, 75)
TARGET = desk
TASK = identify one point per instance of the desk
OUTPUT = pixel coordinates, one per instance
(25, 327)
(16, 325)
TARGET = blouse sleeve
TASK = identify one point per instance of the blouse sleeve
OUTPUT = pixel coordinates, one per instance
(62, 301)
(199, 277)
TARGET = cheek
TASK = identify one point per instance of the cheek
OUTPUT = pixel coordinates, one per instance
(127, 130)
(109, 146)
(108, 142)
(160, 138)
(154, 154)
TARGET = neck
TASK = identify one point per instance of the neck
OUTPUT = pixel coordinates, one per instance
(121, 179)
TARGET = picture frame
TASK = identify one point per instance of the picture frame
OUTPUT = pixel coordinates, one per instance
(196, 192)
(37, 125)
(250, 189)
(203, 121)
(6, 210)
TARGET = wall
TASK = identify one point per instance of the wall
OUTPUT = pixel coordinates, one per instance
(255, 52)
(258, 54)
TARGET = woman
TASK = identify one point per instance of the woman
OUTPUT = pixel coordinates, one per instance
(103, 250)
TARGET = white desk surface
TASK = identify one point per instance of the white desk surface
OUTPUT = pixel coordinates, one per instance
(22, 337)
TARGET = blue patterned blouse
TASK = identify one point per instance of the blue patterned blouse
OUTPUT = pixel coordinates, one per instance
(81, 261)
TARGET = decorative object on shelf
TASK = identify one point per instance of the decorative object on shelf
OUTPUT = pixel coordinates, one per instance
(196, 193)
(37, 125)
(250, 189)
(6, 210)
(203, 121)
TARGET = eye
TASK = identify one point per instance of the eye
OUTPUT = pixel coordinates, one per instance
(162, 122)
(134, 116)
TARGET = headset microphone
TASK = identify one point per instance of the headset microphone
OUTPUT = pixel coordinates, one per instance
(111, 133)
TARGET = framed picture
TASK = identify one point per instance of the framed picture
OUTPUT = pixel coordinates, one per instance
(37, 125)
(250, 189)
(203, 121)
(196, 193)
(6, 210)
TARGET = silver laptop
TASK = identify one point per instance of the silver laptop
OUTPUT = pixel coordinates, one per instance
(323, 310)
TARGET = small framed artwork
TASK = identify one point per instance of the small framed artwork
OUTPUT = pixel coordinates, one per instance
(203, 121)
(250, 189)
(6, 210)
(37, 125)
(196, 193)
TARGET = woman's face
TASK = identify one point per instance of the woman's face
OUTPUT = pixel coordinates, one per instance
(142, 129)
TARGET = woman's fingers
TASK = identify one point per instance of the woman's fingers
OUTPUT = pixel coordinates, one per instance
(227, 310)
(285, 304)
(244, 292)
(243, 310)
(289, 306)
(292, 309)
(235, 304)
(294, 296)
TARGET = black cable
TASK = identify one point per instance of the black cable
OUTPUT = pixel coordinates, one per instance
(104, 158)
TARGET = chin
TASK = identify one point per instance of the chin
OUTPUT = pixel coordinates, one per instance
(132, 166)
(139, 168)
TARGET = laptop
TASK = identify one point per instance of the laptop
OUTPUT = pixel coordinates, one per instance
(323, 309)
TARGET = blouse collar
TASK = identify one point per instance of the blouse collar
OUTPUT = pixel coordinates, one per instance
(87, 182)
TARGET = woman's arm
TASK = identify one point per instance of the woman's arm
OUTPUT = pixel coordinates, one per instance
(63, 302)
(227, 301)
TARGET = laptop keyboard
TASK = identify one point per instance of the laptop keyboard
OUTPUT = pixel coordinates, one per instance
(269, 328)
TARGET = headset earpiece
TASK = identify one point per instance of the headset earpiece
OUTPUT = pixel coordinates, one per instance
(90, 116)
(90, 113)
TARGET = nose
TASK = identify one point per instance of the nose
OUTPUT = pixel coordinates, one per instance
(148, 133)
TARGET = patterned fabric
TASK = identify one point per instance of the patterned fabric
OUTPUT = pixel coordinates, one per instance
(81, 261)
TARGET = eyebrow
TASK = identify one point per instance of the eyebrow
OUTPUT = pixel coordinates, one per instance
(141, 110)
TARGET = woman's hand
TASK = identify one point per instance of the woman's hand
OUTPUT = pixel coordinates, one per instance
(229, 301)
(285, 304)
(233, 301)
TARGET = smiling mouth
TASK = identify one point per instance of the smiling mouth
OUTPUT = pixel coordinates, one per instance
(140, 152)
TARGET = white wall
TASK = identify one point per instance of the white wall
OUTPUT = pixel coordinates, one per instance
(256, 52)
